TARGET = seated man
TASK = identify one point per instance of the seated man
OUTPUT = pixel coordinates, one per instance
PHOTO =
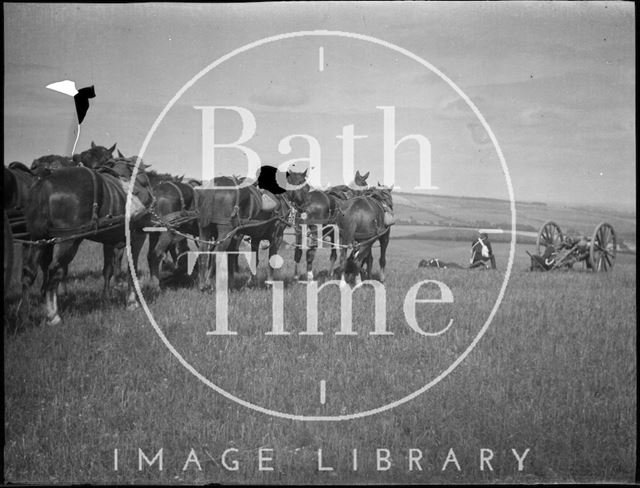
(582, 247)
(481, 253)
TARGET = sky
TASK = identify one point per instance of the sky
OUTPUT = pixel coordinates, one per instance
(555, 82)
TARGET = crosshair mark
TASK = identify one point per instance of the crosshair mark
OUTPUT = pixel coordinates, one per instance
(321, 58)
(323, 392)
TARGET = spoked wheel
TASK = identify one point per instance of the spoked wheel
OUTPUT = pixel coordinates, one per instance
(549, 235)
(602, 251)
(8, 252)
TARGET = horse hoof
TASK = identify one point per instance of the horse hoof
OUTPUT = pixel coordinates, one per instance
(54, 321)
(310, 276)
(132, 306)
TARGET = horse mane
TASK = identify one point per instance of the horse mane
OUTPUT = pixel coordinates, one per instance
(382, 195)
(155, 177)
(18, 166)
(194, 182)
(50, 158)
(108, 170)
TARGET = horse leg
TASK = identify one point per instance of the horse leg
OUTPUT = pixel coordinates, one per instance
(274, 247)
(334, 254)
(297, 254)
(30, 260)
(172, 250)
(179, 249)
(137, 241)
(153, 260)
(233, 265)
(311, 254)
(108, 253)
(118, 255)
(62, 289)
(343, 264)
(347, 234)
(204, 261)
(163, 244)
(384, 242)
(255, 249)
(45, 260)
(369, 263)
(363, 260)
(63, 255)
(229, 244)
(234, 258)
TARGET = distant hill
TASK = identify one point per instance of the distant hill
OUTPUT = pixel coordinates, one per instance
(453, 211)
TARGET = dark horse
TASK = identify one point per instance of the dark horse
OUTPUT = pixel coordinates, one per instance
(227, 214)
(174, 200)
(93, 157)
(17, 179)
(362, 221)
(319, 209)
(73, 203)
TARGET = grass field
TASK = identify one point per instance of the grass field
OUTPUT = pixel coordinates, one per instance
(555, 373)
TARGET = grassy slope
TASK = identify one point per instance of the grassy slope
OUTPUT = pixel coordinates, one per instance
(556, 372)
(469, 211)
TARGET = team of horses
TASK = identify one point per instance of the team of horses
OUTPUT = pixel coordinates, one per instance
(66, 200)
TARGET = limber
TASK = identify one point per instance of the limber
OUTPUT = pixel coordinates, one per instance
(312, 291)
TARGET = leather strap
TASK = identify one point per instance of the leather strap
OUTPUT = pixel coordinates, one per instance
(94, 207)
(177, 188)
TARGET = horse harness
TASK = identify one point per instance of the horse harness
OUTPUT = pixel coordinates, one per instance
(183, 207)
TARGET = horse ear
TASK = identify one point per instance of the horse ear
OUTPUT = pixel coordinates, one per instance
(357, 172)
(391, 187)
(365, 176)
(120, 155)
(304, 173)
(93, 144)
(112, 148)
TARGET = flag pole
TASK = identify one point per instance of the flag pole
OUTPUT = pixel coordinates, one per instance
(73, 151)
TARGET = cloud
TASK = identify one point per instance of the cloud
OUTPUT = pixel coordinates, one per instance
(457, 108)
(478, 134)
(539, 115)
(276, 95)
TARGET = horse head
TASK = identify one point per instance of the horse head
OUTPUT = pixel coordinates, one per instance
(123, 168)
(96, 156)
(300, 186)
(361, 180)
(382, 193)
(44, 164)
